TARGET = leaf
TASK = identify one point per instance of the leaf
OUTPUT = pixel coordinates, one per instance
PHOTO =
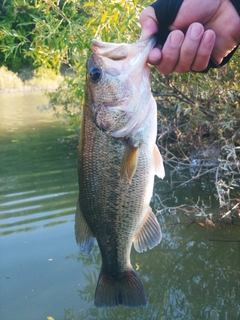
(115, 18)
(91, 21)
(200, 224)
(187, 111)
(89, 4)
(122, 29)
(26, 23)
(35, 18)
(104, 17)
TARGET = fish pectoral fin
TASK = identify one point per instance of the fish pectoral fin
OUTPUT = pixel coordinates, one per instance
(83, 234)
(158, 163)
(129, 163)
(149, 234)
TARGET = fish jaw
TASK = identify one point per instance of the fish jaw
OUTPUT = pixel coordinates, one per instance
(134, 54)
(129, 60)
(122, 97)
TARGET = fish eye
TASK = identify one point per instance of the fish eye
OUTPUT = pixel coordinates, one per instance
(95, 75)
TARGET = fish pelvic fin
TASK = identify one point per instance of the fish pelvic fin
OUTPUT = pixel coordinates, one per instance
(83, 234)
(129, 163)
(158, 163)
(149, 234)
(126, 290)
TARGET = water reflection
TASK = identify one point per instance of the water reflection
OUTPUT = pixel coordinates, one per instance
(34, 166)
(20, 110)
(33, 179)
(186, 277)
(193, 274)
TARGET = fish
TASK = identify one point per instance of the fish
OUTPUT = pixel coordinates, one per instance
(117, 161)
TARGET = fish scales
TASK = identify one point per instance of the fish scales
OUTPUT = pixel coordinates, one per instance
(100, 174)
(113, 206)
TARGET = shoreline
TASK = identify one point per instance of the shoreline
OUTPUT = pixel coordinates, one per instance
(40, 79)
(28, 89)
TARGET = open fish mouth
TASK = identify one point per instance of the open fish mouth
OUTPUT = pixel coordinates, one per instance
(136, 52)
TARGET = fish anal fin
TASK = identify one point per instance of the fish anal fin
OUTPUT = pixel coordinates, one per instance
(149, 234)
(83, 234)
(126, 290)
(129, 163)
(158, 163)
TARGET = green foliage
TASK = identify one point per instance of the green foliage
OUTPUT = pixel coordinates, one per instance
(15, 33)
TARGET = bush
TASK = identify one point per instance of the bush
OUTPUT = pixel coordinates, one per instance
(44, 78)
(199, 130)
(9, 80)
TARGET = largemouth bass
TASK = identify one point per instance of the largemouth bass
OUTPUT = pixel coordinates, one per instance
(118, 159)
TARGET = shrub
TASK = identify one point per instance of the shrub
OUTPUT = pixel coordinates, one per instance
(44, 77)
(9, 80)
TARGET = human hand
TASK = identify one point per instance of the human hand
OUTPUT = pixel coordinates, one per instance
(191, 44)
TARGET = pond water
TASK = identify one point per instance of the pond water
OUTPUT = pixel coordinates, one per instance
(194, 274)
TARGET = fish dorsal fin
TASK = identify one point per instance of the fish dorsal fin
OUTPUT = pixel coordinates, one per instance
(129, 163)
(149, 234)
(83, 234)
(158, 163)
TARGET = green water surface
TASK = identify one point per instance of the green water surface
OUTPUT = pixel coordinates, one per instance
(194, 274)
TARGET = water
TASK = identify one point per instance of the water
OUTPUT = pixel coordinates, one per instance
(193, 274)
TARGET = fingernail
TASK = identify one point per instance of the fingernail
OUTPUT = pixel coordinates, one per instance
(208, 38)
(155, 56)
(195, 31)
(176, 38)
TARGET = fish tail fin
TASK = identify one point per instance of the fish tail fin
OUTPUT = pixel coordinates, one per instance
(126, 290)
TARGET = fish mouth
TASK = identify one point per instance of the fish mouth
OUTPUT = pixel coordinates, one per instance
(122, 51)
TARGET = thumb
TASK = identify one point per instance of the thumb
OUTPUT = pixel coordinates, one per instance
(148, 23)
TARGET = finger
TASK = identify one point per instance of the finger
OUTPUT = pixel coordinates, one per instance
(189, 47)
(204, 51)
(171, 52)
(148, 23)
(155, 56)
